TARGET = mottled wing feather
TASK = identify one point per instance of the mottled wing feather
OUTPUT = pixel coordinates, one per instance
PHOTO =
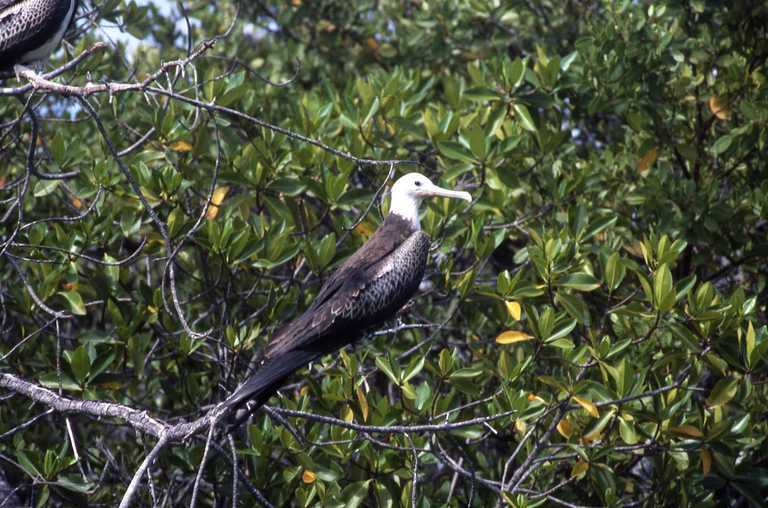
(344, 285)
(21, 28)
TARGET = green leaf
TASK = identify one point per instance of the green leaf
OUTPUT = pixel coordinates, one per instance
(371, 111)
(525, 117)
(76, 304)
(386, 368)
(579, 281)
(722, 144)
(614, 271)
(574, 305)
(79, 362)
(326, 250)
(723, 392)
(598, 226)
(45, 187)
(663, 289)
(455, 151)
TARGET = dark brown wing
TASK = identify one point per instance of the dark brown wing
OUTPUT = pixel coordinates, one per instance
(322, 317)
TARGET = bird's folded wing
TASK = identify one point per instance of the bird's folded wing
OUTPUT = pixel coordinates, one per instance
(344, 285)
(13, 27)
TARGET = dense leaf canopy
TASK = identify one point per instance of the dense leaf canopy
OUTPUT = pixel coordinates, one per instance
(591, 330)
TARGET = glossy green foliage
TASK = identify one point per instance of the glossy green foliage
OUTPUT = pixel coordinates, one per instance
(615, 152)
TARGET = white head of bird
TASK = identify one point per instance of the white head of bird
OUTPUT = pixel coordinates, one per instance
(408, 192)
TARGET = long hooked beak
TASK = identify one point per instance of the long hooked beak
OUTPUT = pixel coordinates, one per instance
(434, 190)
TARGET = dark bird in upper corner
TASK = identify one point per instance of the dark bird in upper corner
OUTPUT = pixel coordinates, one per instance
(367, 289)
(30, 30)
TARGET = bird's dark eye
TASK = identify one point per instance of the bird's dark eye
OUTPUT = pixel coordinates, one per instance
(418, 184)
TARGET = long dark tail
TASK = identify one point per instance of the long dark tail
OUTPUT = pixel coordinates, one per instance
(268, 379)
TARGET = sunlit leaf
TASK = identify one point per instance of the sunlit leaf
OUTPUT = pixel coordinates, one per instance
(719, 108)
(180, 146)
(216, 200)
(588, 405)
(723, 392)
(512, 336)
(514, 309)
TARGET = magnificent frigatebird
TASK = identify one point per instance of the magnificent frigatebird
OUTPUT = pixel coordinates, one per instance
(31, 29)
(367, 289)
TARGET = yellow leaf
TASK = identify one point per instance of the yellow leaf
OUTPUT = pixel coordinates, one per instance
(304, 390)
(372, 44)
(564, 428)
(296, 3)
(706, 461)
(687, 430)
(77, 203)
(579, 469)
(647, 160)
(521, 426)
(514, 309)
(635, 249)
(180, 146)
(588, 405)
(218, 197)
(347, 415)
(718, 108)
(512, 336)
(308, 476)
(588, 439)
(363, 403)
(364, 229)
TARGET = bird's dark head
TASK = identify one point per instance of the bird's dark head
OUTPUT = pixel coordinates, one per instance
(409, 190)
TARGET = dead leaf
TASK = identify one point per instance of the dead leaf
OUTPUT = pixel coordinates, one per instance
(308, 476)
(364, 229)
(579, 469)
(363, 403)
(512, 336)
(687, 430)
(180, 146)
(564, 428)
(77, 203)
(719, 108)
(372, 44)
(706, 461)
(588, 405)
(218, 197)
(647, 160)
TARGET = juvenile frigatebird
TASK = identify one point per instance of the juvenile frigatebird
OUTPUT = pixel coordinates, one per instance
(31, 29)
(367, 289)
